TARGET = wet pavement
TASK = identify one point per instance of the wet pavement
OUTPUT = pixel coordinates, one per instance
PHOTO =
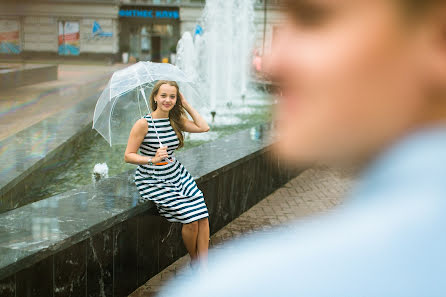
(22, 107)
(316, 190)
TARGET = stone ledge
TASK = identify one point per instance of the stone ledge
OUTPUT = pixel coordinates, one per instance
(234, 173)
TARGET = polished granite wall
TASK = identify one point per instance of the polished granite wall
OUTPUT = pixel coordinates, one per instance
(99, 241)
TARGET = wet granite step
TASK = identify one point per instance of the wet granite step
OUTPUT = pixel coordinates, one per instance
(54, 138)
(13, 76)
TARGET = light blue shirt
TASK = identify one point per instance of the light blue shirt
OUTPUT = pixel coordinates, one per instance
(388, 239)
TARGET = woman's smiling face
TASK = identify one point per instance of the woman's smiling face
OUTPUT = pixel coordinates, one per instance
(352, 75)
(166, 97)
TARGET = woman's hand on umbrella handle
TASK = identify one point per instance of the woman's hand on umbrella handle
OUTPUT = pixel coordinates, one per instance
(161, 154)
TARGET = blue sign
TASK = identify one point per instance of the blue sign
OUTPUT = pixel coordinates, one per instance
(97, 31)
(149, 13)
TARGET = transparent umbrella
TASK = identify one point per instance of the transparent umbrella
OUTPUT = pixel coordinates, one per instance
(125, 99)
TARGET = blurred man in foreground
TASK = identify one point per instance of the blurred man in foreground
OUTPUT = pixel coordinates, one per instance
(361, 81)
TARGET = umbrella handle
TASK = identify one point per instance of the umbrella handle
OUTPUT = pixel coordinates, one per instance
(151, 117)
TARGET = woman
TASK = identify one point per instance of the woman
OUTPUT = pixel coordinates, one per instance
(361, 80)
(160, 177)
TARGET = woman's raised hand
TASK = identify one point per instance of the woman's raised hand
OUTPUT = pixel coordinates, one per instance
(183, 100)
(160, 155)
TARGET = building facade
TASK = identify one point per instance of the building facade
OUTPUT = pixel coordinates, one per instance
(58, 28)
(104, 29)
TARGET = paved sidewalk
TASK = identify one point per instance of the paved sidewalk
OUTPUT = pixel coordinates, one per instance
(24, 106)
(316, 190)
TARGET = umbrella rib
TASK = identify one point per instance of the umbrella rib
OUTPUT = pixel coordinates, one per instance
(148, 72)
(139, 106)
(109, 118)
(139, 84)
(151, 79)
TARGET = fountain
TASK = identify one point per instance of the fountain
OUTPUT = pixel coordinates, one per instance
(218, 60)
(100, 171)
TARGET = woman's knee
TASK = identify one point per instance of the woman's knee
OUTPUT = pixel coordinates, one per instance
(192, 227)
(204, 221)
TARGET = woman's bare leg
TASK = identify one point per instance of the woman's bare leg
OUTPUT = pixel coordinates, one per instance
(203, 240)
(190, 235)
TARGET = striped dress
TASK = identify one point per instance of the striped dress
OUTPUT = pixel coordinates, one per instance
(169, 186)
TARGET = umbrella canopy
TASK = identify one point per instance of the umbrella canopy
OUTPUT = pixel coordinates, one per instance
(125, 99)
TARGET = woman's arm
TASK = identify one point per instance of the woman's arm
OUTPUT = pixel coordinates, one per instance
(136, 137)
(198, 124)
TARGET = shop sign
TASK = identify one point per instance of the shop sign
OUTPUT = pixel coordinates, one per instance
(97, 31)
(149, 13)
(68, 38)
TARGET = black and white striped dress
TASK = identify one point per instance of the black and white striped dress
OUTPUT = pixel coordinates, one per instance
(169, 186)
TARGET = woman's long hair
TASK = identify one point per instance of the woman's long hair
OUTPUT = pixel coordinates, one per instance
(176, 113)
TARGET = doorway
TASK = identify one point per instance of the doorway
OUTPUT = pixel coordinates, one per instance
(156, 48)
(151, 42)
